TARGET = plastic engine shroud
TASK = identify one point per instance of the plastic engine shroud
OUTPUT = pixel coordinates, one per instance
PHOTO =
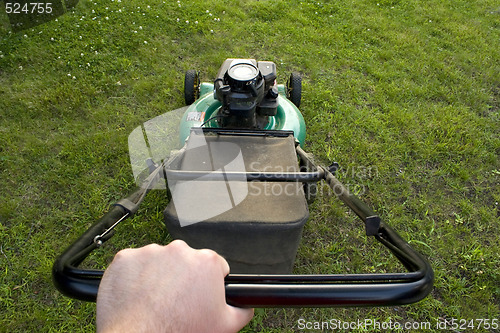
(288, 117)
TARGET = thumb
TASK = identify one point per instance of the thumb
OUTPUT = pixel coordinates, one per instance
(237, 318)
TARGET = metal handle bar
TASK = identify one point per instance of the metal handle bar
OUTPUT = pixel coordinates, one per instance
(274, 290)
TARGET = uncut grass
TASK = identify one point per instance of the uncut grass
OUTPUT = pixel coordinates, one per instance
(408, 90)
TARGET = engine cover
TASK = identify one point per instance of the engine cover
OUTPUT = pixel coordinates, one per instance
(247, 91)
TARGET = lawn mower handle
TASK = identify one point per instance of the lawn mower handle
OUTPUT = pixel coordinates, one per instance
(242, 290)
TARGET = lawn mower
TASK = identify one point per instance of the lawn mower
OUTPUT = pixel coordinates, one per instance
(239, 182)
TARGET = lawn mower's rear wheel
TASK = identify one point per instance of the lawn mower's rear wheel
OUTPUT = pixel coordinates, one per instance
(294, 88)
(191, 86)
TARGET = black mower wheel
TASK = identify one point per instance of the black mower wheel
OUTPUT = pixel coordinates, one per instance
(294, 88)
(191, 86)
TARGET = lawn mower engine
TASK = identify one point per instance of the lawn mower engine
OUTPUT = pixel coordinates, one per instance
(248, 92)
(260, 224)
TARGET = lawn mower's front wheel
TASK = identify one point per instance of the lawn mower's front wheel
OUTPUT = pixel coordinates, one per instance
(191, 86)
(294, 88)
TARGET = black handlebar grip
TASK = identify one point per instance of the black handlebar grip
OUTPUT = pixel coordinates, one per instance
(74, 285)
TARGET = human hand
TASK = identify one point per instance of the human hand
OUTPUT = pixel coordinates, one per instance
(171, 288)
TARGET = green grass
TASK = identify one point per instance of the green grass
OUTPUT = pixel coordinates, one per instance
(405, 89)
